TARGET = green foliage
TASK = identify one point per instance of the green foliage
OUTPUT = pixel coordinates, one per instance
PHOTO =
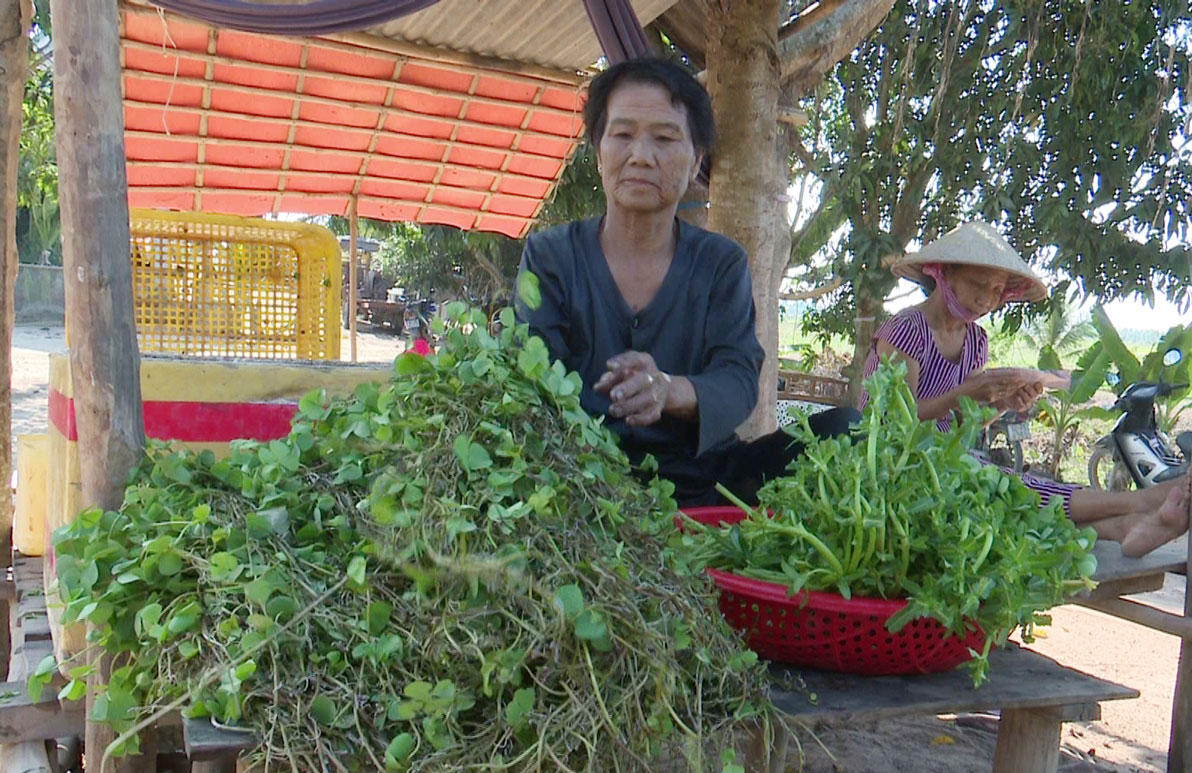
(1058, 122)
(1059, 329)
(1130, 369)
(456, 568)
(38, 229)
(1063, 410)
(904, 510)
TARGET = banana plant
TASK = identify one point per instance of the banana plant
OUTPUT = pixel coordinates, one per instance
(1063, 410)
(1131, 370)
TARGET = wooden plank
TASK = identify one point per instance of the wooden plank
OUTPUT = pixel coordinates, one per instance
(1018, 679)
(1179, 749)
(1143, 614)
(1028, 741)
(22, 719)
(1112, 565)
(1112, 589)
(204, 741)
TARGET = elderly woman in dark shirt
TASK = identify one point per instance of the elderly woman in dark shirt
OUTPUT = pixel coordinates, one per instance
(655, 314)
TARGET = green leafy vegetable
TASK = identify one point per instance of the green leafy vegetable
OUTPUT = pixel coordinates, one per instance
(901, 510)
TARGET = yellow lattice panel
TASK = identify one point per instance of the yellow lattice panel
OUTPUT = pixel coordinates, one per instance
(223, 286)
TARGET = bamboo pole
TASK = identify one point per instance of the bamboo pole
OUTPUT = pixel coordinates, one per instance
(15, 17)
(104, 363)
(352, 228)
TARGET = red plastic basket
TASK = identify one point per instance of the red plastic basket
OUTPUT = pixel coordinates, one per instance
(826, 630)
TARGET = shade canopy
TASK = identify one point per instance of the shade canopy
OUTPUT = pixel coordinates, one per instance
(241, 123)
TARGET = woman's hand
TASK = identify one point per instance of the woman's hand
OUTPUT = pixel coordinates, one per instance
(1022, 400)
(637, 389)
(992, 387)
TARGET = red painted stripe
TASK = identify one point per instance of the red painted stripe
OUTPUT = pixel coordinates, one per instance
(193, 422)
(62, 415)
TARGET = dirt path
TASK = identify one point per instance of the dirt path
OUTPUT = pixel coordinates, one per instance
(1131, 736)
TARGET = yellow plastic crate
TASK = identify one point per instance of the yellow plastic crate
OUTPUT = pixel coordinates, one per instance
(224, 286)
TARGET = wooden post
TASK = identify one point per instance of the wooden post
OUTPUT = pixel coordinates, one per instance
(105, 368)
(15, 17)
(1028, 741)
(1179, 749)
(352, 228)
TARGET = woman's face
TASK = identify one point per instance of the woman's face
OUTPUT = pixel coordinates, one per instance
(979, 289)
(646, 156)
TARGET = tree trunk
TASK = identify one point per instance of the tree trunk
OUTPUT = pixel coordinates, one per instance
(105, 369)
(869, 306)
(15, 16)
(743, 79)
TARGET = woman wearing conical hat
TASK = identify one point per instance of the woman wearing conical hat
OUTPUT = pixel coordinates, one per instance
(968, 273)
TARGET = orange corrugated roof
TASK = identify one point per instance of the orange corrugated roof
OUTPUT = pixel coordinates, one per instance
(239, 123)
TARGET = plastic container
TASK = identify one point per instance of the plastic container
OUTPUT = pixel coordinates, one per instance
(29, 514)
(224, 286)
(827, 631)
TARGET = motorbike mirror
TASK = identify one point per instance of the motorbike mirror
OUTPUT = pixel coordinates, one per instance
(1113, 379)
(1172, 356)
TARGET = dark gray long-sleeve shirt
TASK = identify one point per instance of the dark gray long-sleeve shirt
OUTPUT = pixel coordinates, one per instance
(699, 325)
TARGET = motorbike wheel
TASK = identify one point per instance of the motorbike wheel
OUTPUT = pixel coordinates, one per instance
(1003, 452)
(1106, 473)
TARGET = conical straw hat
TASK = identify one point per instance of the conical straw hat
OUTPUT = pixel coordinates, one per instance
(974, 244)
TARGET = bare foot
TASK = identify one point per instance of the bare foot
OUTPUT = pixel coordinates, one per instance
(1153, 529)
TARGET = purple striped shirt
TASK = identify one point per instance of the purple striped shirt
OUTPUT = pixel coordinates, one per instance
(908, 332)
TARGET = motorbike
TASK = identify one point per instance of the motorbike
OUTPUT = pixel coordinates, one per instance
(1001, 442)
(1137, 452)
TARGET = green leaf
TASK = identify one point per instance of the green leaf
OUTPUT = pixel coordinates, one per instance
(74, 690)
(169, 564)
(1127, 364)
(590, 626)
(258, 591)
(146, 617)
(397, 753)
(528, 291)
(378, 617)
(569, 600)
(356, 569)
(323, 710)
(224, 567)
(522, 704)
(410, 364)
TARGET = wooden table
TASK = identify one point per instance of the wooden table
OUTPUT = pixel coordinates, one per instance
(1121, 577)
(1034, 694)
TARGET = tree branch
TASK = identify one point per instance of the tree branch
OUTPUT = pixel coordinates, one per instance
(813, 43)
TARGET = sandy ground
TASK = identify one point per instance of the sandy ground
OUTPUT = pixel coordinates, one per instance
(1131, 736)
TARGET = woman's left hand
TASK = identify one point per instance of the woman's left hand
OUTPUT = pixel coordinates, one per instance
(636, 388)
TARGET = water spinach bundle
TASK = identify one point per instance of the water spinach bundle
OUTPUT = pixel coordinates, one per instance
(902, 510)
(452, 570)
